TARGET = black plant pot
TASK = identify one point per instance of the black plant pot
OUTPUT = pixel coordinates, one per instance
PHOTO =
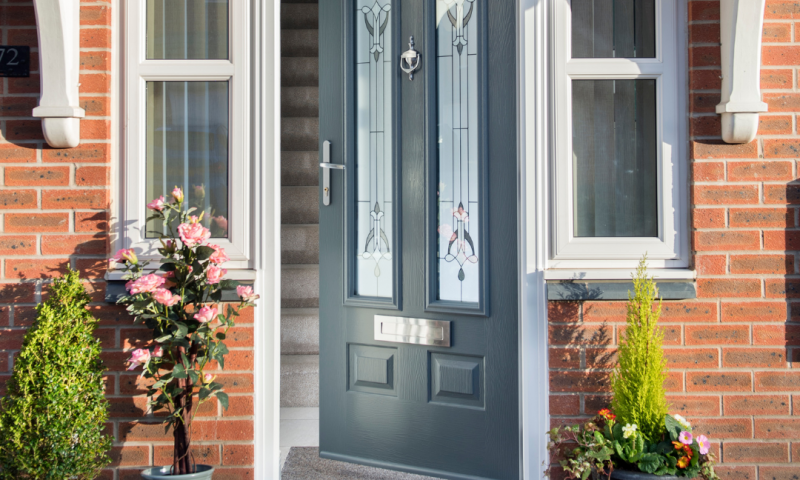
(628, 475)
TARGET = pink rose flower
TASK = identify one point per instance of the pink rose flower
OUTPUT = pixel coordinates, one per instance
(158, 352)
(219, 255)
(206, 314)
(146, 284)
(177, 194)
(207, 378)
(157, 204)
(193, 234)
(125, 255)
(165, 297)
(214, 274)
(703, 443)
(199, 191)
(221, 222)
(685, 437)
(140, 356)
(245, 292)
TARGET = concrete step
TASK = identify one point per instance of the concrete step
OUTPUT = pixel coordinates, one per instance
(299, 102)
(300, 43)
(299, 15)
(300, 169)
(299, 205)
(299, 380)
(299, 286)
(300, 244)
(299, 134)
(300, 331)
(299, 72)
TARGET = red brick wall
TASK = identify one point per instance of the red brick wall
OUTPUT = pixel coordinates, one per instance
(54, 212)
(734, 352)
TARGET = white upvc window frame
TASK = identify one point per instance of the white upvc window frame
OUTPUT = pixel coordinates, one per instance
(234, 70)
(609, 254)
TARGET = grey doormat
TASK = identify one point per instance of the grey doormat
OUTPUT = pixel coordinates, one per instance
(303, 463)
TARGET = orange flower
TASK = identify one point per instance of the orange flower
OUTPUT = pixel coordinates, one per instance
(606, 413)
(677, 445)
(683, 462)
(688, 450)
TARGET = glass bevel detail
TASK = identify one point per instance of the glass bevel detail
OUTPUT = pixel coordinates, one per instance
(374, 149)
(458, 198)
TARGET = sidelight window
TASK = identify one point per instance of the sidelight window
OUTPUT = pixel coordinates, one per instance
(619, 176)
(186, 118)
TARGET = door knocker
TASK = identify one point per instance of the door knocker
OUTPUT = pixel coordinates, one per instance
(410, 60)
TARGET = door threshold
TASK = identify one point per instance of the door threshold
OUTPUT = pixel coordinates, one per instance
(398, 467)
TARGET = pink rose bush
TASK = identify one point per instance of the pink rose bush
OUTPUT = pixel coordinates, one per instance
(181, 303)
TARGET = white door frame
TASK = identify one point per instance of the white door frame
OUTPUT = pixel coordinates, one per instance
(533, 147)
(533, 78)
(265, 138)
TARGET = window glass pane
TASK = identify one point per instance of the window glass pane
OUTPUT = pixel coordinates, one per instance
(187, 146)
(614, 158)
(613, 28)
(374, 146)
(187, 29)
(457, 97)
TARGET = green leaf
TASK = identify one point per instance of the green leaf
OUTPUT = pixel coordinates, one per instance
(229, 284)
(167, 267)
(223, 399)
(204, 253)
(673, 427)
(220, 336)
(216, 295)
(204, 393)
(178, 372)
(649, 462)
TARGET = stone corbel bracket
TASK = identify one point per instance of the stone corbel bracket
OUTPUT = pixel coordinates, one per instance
(58, 27)
(741, 23)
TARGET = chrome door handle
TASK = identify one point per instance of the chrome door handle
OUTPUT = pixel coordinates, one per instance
(326, 167)
(410, 60)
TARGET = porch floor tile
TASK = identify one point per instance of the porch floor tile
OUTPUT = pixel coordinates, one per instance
(303, 463)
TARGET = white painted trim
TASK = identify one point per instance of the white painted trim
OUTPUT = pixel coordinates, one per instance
(266, 136)
(741, 26)
(238, 245)
(533, 134)
(58, 28)
(671, 248)
(618, 274)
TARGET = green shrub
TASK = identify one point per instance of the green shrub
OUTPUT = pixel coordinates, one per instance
(53, 416)
(638, 381)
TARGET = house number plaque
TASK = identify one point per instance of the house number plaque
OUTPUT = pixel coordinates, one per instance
(15, 61)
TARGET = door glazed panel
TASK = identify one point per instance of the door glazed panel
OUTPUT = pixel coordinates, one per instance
(458, 170)
(374, 149)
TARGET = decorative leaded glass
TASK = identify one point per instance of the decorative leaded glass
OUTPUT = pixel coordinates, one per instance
(458, 199)
(374, 147)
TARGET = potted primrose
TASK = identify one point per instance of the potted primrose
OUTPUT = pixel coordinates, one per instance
(639, 440)
(180, 303)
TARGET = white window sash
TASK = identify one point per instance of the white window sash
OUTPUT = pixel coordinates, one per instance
(234, 71)
(670, 248)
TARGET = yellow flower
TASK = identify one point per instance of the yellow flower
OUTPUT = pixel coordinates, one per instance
(683, 462)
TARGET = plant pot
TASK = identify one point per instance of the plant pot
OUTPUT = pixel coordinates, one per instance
(204, 472)
(628, 475)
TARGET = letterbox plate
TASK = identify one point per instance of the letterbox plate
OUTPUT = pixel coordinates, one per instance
(417, 331)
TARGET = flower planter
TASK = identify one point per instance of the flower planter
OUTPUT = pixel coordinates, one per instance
(204, 472)
(628, 475)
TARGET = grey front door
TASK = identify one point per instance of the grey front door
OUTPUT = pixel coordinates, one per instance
(418, 237)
